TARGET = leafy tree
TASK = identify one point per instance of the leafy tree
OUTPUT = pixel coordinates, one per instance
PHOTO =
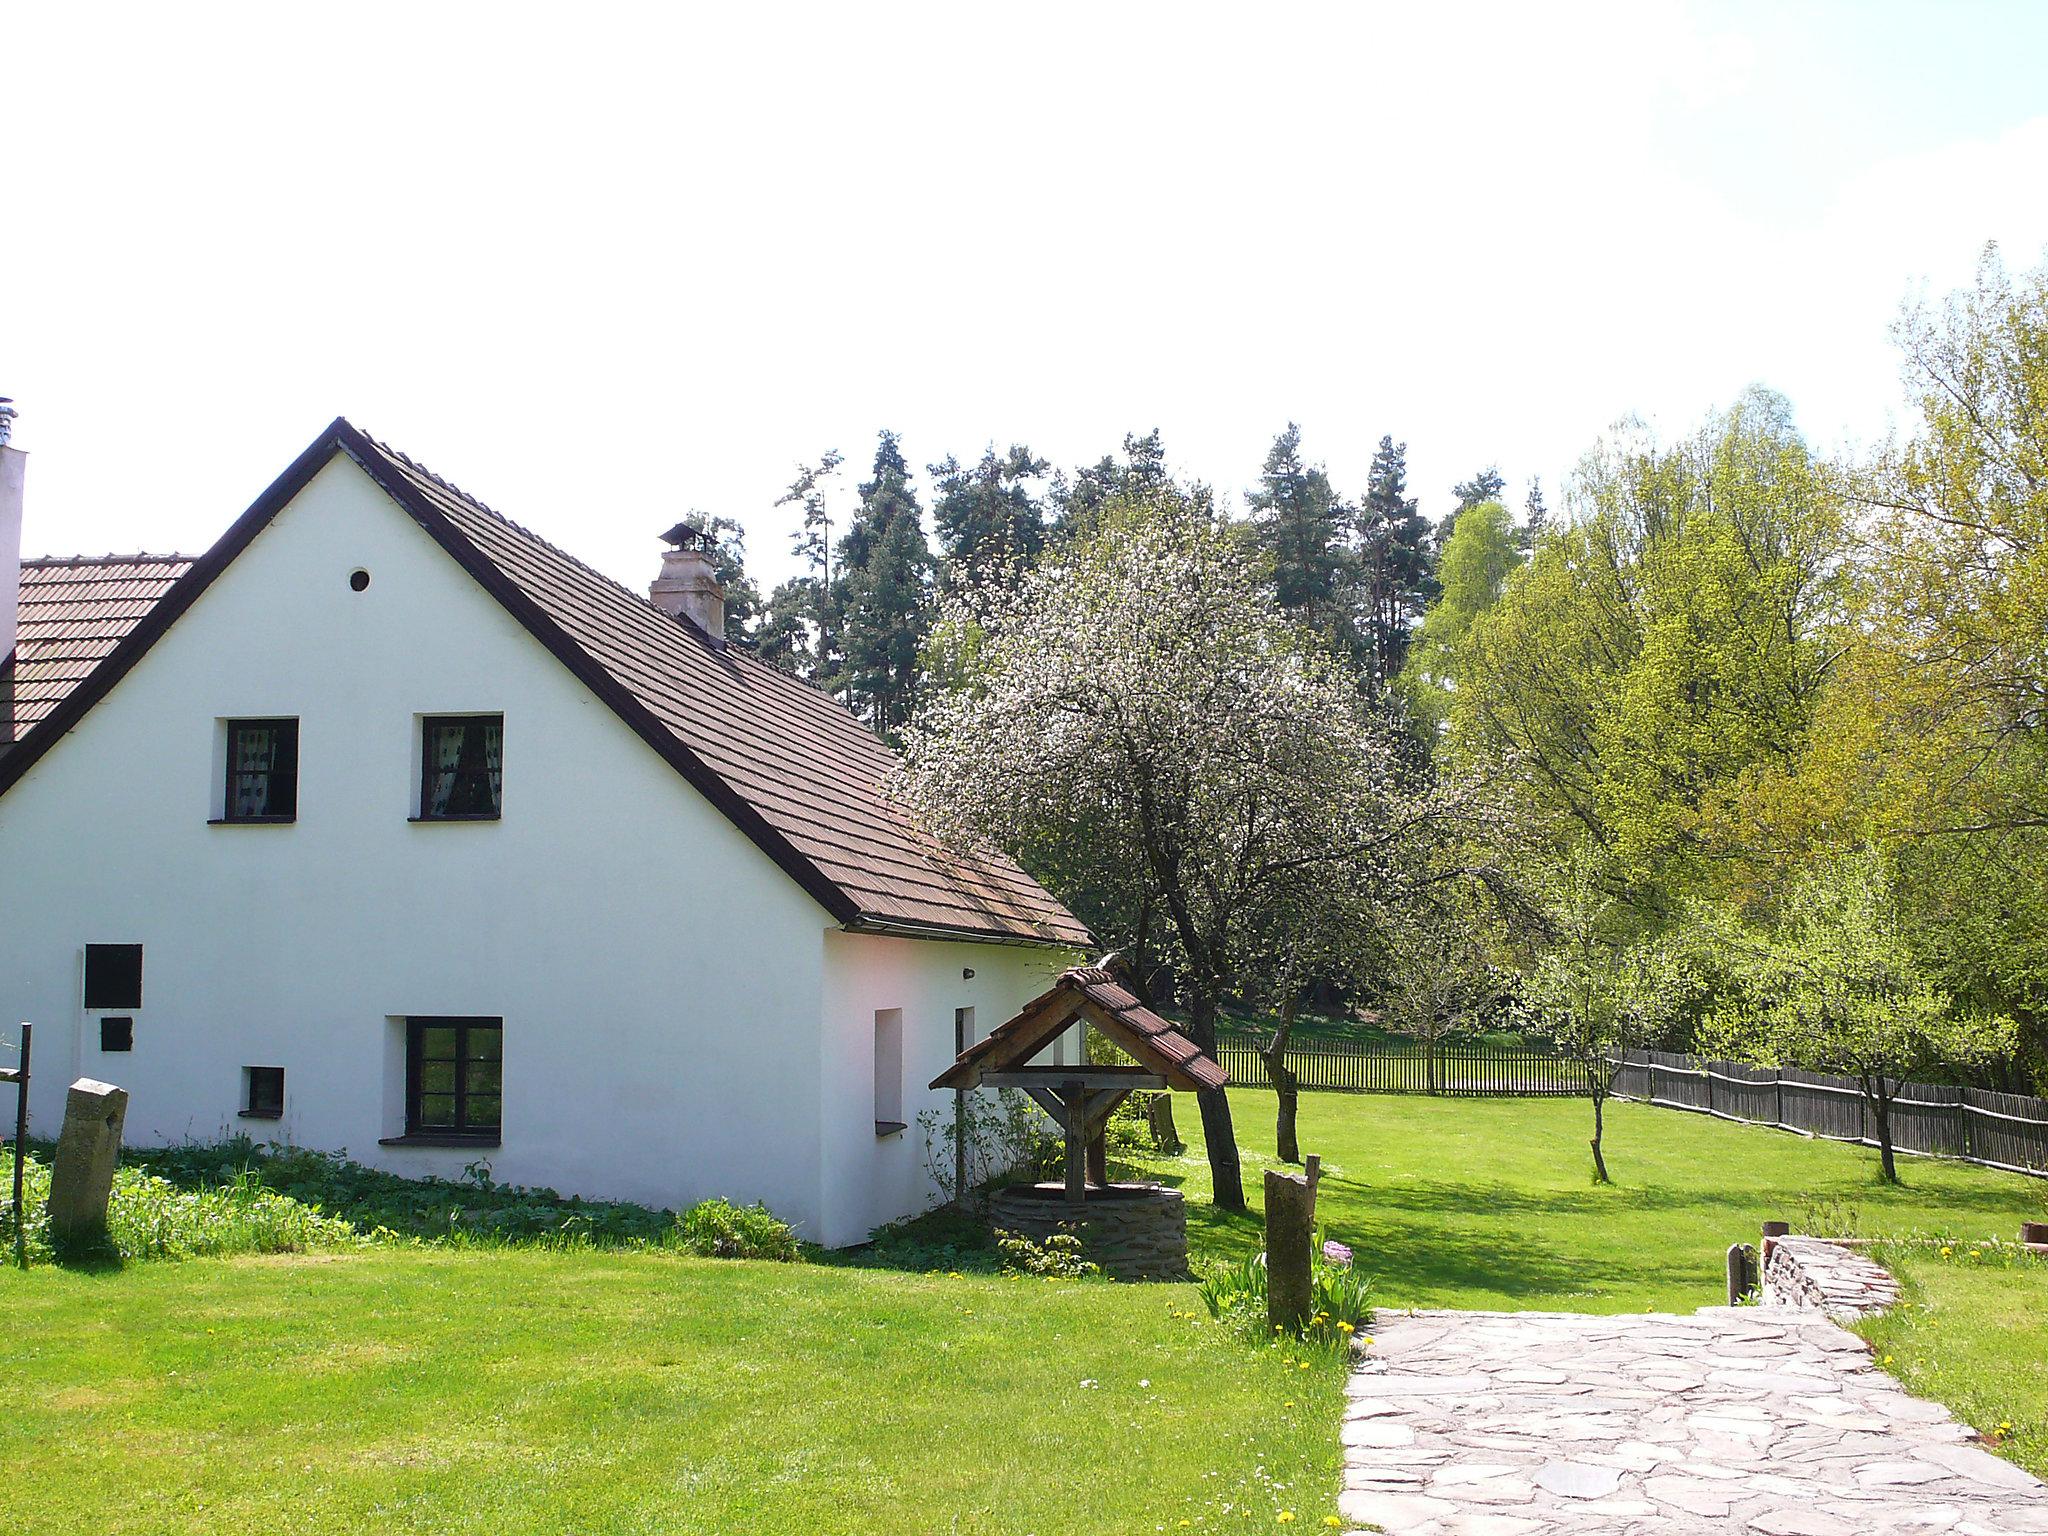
(1397, 580)
(1483, 487)
(1476, 564)
(1138, 687)
(812, 544)
(885, 586)
(1644, 680)
(990, 520)
(784, 635)
(1439, 980)
(1836, 989)
(1591, 992)
(729, 563)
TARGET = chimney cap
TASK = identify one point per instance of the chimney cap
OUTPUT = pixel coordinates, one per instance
(688, 535)
(7, 415)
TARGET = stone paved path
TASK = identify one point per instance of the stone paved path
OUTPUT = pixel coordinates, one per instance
(1738, 1420)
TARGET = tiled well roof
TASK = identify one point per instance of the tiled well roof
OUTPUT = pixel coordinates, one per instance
(73, 612)
(1093, 993)
(790, 766)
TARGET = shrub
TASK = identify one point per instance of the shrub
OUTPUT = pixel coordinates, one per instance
(1057, 1257)
(718, 1229)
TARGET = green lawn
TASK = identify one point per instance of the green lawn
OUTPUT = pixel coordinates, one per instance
(1490, 1202)
(423, 1388)
(426, 1390)
(1972, 1332)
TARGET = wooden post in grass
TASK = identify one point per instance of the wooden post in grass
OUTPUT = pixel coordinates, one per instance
(20, 1076)
(1312, 1170)
(1290, 1235)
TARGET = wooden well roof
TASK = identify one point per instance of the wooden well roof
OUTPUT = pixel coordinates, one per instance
(1092, 993)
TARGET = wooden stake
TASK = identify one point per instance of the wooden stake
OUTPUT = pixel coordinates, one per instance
(1290, 1235)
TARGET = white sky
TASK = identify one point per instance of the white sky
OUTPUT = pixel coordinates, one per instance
(599, 264)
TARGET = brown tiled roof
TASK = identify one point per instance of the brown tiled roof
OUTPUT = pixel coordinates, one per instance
(73, 613)
(1089, 992)
(788, 764)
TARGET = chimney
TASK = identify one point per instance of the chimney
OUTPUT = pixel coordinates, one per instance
(688, 584)
(12, 462)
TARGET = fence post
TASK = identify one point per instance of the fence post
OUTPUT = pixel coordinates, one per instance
(1290, 1229)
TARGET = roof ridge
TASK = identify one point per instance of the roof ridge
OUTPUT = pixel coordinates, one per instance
(55, 562)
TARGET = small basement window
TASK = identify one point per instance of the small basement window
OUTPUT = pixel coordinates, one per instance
(263, 771)
(263, 1096)
(117, 1034)
(462, 769)
(113, 976)
(889, 1072)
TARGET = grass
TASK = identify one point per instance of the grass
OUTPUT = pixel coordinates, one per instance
(525, 1390)
(528, 1384)
(1489, 1203)
(1972, 1332)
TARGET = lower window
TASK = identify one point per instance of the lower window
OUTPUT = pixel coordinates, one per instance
(453, 1072)
(266, 1093)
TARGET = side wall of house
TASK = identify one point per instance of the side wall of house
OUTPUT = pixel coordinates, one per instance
(659, 978)
(872, 1175)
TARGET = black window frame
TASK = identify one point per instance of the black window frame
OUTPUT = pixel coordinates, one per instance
(461, 1126)
(429, 725)
(271, 1106)
(288, 728)
(99, 979)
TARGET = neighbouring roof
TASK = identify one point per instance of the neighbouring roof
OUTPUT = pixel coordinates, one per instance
(73, 613)
(789, 765)
(1092, 993)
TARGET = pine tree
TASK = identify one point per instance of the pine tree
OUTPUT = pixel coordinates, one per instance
(990, 521)
(1482, 487)
(1299, 529)
(1535, 517)
(885, 571)
(1397, 575)
(1077, 500)
(812, 544)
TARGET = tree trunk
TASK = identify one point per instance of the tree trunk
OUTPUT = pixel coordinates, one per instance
(1218, 1136)
(1429, 1055)
(1599, 1130)
(1286, 1082)
(1881, 1105)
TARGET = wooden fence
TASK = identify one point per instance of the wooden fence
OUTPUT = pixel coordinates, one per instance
(1461, 1069)
(1999, 1130)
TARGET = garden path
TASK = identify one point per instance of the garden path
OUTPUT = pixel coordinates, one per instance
(1752, 1419)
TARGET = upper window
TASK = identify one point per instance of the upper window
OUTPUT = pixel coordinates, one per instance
(462, 770)
(113, 976)
(263, 771)
(454, 1077)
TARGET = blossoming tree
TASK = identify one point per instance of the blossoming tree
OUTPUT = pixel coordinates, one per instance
(1139, 693)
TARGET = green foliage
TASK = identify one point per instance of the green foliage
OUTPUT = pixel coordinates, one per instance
(1340, 1298)
(471, 1210)
(718, 1229)
(990, 520)
(883, 594)
(1059, 1256)
(152, 1218)
(1477, 560)
(998, 1132)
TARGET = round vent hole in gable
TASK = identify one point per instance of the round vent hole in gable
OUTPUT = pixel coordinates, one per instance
(358, 580)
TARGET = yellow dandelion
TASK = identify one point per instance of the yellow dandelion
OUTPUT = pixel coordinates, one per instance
(1286, 1517)
(1304, 1365)
(1333, 1522)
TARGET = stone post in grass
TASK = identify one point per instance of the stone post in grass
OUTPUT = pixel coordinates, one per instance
(82, 1174)
(1290, 1239)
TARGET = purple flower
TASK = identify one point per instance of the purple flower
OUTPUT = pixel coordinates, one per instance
(1336, 1253)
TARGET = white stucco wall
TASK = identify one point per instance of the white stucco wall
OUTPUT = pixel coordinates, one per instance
(661, 981)
(871, 1180)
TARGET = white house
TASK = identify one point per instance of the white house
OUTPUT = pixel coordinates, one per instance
(385, 826)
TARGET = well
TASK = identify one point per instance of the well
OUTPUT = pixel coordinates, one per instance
(1134, 1231)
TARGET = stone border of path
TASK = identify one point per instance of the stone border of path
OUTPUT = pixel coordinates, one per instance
(1817, 1272)
(1767, 1419)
